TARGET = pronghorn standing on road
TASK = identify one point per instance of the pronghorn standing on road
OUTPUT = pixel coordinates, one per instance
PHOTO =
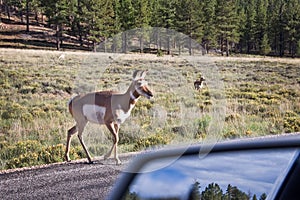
(106, 107)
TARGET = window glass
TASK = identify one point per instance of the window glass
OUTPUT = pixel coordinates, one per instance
(238, 174)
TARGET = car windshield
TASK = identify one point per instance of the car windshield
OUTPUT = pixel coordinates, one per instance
(218, 175)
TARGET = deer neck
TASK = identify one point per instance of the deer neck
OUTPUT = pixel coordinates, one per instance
(124, 104)
(128, 99)
(132, 96)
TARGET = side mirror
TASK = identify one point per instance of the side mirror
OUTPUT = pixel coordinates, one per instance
(241, 169)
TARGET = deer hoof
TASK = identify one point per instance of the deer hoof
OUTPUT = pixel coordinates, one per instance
(118, 162)
(106, 156)
(91, 162)
(67, 159)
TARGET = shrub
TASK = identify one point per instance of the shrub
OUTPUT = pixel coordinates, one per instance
(159, 53)
(31, 152)
(231, 134)
(291, 124)
(153, 140)
(12, 110)
(203, 124)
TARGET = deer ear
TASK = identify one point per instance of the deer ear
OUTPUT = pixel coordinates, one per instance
(135, 75)
(143, 74)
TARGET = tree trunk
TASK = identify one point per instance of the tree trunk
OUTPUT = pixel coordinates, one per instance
(21, 15)
(168, 43)
(27, 16)
(94, 46)
(227, 48)
(78, 22)
(141, 44)
(124, 42)
(58, 36)
(158, 43)
(114, 45)
(222, 46)
(281, 44)
(7, 11)
(179, 46)
(190, 46)
(293, 49)
(79, 33)
(36, 16)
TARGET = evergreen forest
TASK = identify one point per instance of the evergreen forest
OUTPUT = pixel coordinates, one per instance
(264, 27)
(211, 191)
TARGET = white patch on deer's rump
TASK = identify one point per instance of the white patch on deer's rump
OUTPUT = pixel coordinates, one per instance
(94, 113)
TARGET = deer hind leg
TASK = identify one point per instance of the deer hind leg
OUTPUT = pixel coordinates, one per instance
(114, 129)
(80, 131)
(71, 132)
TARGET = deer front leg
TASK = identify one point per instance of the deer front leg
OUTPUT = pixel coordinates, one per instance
(71, 132)
(114, 129)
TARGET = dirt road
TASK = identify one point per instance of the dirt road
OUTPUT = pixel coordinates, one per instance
(74, 180)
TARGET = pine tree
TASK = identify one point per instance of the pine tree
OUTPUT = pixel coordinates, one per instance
(117, 26)
(141, 13)
(77, 25)
(24, 5)
(226, 25)
(229, 192)
(71, 15)
(125, 14)
(195, 193)
(242, 45)
(165, 13)
(292, 25)
(249, 32)
(264, 46)
(56, 12)
(209, 29)
(189, 20)
(100, 15)
(141, 19)
(261, 36)
(276, 15)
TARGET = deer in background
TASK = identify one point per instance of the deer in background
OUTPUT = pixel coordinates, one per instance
(108, 108)
(198, 84)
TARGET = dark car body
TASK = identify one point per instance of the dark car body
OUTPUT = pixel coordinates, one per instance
(270, 162)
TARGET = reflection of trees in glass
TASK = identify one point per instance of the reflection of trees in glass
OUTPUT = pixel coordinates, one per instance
(263, 196)
(130, 196)
(195, 191)
(233, 193)
(212, 191)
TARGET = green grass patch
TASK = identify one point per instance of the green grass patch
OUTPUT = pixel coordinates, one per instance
(262, 97)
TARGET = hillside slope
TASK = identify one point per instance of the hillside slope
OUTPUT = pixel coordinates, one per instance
(13, 35)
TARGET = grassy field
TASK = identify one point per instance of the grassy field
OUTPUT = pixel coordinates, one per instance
(258, 96)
